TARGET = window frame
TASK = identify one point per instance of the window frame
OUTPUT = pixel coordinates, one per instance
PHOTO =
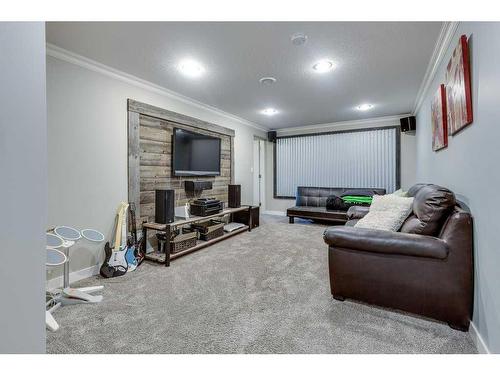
(398, 151)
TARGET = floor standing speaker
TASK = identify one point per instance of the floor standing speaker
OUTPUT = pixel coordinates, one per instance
(234, 192)
(164, 206)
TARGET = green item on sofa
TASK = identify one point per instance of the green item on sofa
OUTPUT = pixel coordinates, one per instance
(357, 199)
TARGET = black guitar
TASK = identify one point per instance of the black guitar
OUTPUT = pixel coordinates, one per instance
(115, 262)
(106, 269)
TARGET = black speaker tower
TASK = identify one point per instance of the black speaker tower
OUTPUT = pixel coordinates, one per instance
(164, 206)
(234, 195)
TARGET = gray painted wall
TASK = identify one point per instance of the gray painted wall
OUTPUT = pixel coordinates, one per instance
(87, 150)
(469, 167)
(23, 187)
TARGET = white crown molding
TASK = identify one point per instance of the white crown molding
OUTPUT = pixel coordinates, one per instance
(369, 122)
(481, 346)
(442, 44)
(84, 62)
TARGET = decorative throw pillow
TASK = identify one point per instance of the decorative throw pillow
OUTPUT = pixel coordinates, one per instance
(401, 193)
(431, 205)
(336, 203)
(360, 192)
(387, 212)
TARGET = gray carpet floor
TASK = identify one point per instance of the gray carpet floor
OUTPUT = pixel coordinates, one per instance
(266, 291)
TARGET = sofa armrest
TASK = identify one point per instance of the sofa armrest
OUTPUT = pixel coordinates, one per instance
(357, 212)
(386, 242)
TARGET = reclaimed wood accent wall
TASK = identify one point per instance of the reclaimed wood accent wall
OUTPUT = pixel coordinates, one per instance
(150, 157)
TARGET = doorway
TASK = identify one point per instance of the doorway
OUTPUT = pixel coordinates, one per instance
(258, 171)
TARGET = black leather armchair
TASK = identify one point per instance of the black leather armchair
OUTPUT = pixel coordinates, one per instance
(426, 268)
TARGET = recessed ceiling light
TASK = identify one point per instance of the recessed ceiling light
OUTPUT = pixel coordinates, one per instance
(298, 39)
(191, 68)
(323, 66)
(364, 107)
(267, 81)
(269, 111)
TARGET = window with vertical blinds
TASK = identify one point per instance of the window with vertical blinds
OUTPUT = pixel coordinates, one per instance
(357, 159)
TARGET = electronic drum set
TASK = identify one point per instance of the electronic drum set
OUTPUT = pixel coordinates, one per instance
(59, 242)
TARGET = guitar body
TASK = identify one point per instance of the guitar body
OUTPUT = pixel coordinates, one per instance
(108, 270)
(139, 255)
(130, 258)
(115, 263)
(118, 259)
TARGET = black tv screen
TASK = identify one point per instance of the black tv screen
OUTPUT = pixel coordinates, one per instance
(195, 154)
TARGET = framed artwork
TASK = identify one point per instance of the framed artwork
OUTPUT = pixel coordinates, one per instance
(458, 88)
(439, 120)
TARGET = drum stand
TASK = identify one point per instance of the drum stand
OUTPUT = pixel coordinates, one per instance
(67, 295)
(71, 296)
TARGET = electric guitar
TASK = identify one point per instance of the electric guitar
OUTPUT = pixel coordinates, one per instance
(115, 263)
(130, 254)
(139, 255)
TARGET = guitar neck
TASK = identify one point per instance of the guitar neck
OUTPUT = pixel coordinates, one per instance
(133, 223)
(119, 221)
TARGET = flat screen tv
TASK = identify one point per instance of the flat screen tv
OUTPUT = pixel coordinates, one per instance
(195, 154)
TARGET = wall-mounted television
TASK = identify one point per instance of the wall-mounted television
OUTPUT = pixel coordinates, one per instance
(195, 154)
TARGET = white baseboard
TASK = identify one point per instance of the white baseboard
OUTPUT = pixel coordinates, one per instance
(481, 346)
(73, 277)
(276, 213)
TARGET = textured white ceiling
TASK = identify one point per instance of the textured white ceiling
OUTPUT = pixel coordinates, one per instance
(382, 63)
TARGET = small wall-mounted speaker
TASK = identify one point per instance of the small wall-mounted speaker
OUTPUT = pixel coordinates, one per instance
(197, 185)
(408, 124)
(234, 196)
(271, 137)
(164, 206)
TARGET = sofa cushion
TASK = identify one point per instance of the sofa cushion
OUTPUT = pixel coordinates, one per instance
(317, 196)
(387, 212)
(357, 212)
(431, 205)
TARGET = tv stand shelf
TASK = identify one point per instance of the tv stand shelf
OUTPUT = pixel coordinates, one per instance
(167, 228)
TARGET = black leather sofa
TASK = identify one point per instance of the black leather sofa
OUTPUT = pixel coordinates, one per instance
(310, 203)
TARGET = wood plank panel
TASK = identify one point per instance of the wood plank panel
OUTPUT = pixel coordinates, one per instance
(151, 144)
(155, 147)
(148, 158)
(133, 161)
(153, 171)
(154, 134)
(149, 110)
